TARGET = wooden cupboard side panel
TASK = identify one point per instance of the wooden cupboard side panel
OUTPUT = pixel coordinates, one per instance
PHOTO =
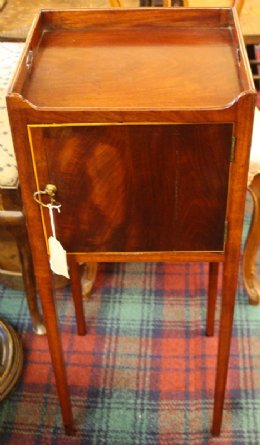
(137, 188)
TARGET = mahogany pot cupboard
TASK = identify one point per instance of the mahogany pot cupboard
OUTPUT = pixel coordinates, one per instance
(138, 123)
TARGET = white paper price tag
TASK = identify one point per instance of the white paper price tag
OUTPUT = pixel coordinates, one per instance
(58, 257)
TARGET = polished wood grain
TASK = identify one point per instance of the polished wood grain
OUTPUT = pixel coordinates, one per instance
(108, 176)
(84, 55)
(131, 18)
(178, 170)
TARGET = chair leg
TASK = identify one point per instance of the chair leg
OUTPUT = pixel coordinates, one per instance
(77, 295)
(14, 223)
(116, 3)
(251, 282)
(88, 278)
(254, 66)
(212, 297)
(29, 282)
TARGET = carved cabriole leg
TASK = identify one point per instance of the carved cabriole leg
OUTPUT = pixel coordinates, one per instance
(77, 295)
(212, 296)
(251, 282)
(14, 223)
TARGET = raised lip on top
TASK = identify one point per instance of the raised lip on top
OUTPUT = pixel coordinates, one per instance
(121, 18)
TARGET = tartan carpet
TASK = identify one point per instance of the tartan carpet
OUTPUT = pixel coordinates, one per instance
(144, 373)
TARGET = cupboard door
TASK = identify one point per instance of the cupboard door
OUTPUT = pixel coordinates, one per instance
(136, 187)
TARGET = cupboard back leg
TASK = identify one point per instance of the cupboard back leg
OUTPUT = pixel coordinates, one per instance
(77, 296)
(212, 297)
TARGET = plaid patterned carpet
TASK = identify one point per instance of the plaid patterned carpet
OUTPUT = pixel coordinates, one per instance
(144, 374)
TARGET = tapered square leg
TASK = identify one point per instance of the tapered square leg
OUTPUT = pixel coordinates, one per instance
(212, 297)
(77, 295)
(55, 347)
(225, 333)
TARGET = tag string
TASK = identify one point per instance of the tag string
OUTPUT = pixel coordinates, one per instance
(51, 207)
(52, 221)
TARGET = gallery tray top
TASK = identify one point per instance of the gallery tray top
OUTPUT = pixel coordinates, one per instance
(146, 58)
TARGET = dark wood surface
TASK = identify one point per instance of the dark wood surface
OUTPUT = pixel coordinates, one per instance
(142, 175)
(145, 65)
(150, 58)
(107, 177)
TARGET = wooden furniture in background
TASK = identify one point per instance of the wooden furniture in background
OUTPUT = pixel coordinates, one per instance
(238, 4)
(165, 3)
(251, 281)
(12, 222)
(2, 4)
(249, 16)
(145, 170)
(11, 358)
(116, 3)
(12, 219)
(250, 23)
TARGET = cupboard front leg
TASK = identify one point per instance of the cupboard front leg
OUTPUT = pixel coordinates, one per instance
(225, 333)
(54, 341)
(212, 297)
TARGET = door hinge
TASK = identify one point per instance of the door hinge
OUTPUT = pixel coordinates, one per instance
(225, 231)
(232, 150)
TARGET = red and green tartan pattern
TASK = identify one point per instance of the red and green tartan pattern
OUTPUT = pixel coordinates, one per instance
(144, 373)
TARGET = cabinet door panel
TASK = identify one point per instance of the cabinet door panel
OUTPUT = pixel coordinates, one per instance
(143, 188)
(202, 169)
